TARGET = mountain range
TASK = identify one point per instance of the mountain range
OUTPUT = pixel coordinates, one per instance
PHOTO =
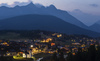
(7, 12)
(43, 22)
(86, 18)
(13, 18)
(95, 27)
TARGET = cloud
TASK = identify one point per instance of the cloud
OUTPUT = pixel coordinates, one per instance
(38, 5)
(94, 5)
(20, 3)
(77, 10)
(4, 4)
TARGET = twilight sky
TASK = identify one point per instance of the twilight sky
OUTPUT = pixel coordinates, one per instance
(86, 6)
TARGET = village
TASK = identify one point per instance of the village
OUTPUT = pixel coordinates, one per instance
(48, 44)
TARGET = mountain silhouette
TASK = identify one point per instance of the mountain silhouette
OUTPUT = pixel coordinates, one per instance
(86, 18)
(43, 22)
(7, 12)
(95, 27)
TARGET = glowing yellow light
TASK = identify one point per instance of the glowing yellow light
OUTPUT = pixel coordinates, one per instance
(59, 35)
(73, 53)
(8, 54)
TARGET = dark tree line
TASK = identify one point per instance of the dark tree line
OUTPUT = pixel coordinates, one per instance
(92, 54)
(58, 56)
(2, 58)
